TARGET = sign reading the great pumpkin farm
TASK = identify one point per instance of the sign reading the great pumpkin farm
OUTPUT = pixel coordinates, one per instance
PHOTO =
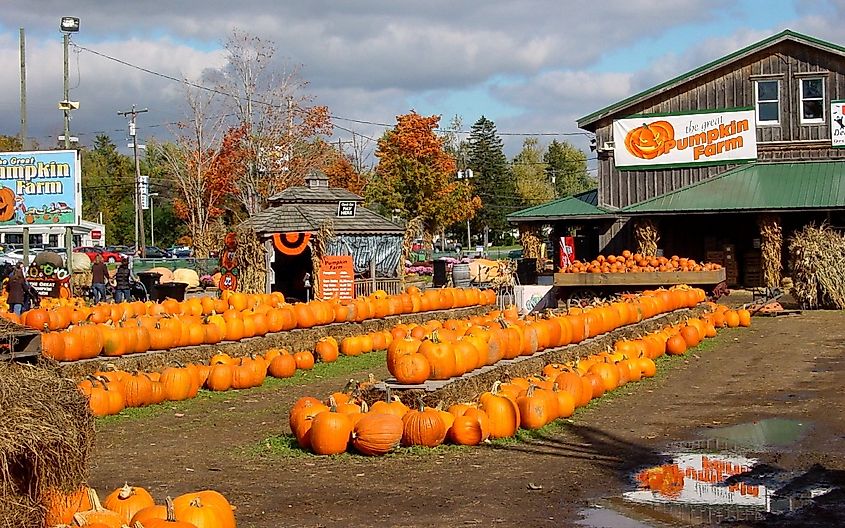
(38, 188)
(653, 140)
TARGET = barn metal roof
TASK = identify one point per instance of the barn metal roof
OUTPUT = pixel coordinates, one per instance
(582, 205)
(757, 187)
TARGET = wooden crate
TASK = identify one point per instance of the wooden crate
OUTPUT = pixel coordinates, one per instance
(17, 342)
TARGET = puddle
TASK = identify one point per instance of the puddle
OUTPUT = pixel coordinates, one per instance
(697, 489)
(606, 518)
(761, 434)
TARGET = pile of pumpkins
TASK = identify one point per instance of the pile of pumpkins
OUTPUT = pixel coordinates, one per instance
(343, 423)
(72, 331)
(442, 351)
(630, 262)
(134, 506)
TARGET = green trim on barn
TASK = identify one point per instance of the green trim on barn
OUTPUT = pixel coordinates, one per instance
(787, 34)
(816, 185)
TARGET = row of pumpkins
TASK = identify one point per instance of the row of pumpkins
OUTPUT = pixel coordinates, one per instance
(109, 392)
(344, 423)
(629, 262)
(459, 347)
(73, 332)
(134, 506)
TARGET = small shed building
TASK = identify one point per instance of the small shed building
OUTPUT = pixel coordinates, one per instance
(305, 224)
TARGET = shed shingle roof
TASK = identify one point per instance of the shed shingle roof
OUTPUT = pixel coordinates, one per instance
(310, 217)
(758, 186)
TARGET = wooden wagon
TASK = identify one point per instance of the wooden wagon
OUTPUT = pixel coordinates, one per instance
(578, 287)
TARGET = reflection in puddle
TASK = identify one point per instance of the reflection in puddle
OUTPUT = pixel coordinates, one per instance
(692, 489)
(761, 434)
(605, 518)
(697, 479)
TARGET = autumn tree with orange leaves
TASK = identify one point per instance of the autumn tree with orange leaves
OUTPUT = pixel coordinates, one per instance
(416, 176)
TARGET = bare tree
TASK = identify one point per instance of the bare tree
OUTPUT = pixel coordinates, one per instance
(191, 162)
(281, 122)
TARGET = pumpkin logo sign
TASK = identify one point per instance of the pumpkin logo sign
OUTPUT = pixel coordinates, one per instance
(650, 140)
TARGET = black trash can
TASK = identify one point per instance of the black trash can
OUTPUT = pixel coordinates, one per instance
(439, 277)
(526, 270)
(150, 281)
(170, 290)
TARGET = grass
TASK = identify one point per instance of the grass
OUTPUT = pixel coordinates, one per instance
(344, 365)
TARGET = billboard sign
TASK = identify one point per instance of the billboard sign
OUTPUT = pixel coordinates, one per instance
(677, 140)
(40, 188)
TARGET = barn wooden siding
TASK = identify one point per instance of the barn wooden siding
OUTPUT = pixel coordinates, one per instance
(730, 87)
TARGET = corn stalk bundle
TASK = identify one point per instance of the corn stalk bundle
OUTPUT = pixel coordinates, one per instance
(529, 236)
(413, 230)
(318, 249)
(647, 236)
(817, 261)
(252, 263)
(46, 433)
(771, 249)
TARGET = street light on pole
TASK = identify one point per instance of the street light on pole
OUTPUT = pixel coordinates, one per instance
(152, 220)
(67, 26)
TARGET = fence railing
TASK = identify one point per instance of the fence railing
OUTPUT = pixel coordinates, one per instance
(365, 287)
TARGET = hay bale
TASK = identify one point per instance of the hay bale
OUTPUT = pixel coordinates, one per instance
(80, 262)
(46, 434)
(818, 267)
(187, 276)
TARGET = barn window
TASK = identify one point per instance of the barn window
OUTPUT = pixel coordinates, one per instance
(812, 100)
(768, 102)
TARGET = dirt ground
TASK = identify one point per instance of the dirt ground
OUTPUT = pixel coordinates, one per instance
(780, 367)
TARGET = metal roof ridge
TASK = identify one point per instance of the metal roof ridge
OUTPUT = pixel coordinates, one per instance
(786, 34)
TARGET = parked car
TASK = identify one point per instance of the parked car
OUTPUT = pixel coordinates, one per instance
(181, 251)
(123, 250)
(515, 254)
(16, 255)
(93, 251)
(152, 252)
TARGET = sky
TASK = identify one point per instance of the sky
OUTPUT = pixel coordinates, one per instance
(533, 67)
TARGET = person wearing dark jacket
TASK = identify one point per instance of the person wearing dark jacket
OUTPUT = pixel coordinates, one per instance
(15, 288)
(99, 278)
(122, 283)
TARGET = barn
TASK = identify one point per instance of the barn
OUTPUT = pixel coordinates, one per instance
(720, 164)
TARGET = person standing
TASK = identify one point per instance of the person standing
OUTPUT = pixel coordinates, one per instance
(122, 283)
(99, 276)
(15, 290)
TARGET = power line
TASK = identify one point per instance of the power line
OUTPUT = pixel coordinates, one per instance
(331, 116)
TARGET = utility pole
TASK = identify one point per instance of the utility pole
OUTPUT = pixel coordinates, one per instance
(23, 132)
(139, 223)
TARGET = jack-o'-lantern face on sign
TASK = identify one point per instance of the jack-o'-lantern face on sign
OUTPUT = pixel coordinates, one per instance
(7, 204)
(228, 281)
(649, 140)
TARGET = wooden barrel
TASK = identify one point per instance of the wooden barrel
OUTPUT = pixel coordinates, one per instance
(460, 275)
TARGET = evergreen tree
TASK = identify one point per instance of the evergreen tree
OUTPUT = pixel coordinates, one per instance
(492, 179)
(567, 167)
